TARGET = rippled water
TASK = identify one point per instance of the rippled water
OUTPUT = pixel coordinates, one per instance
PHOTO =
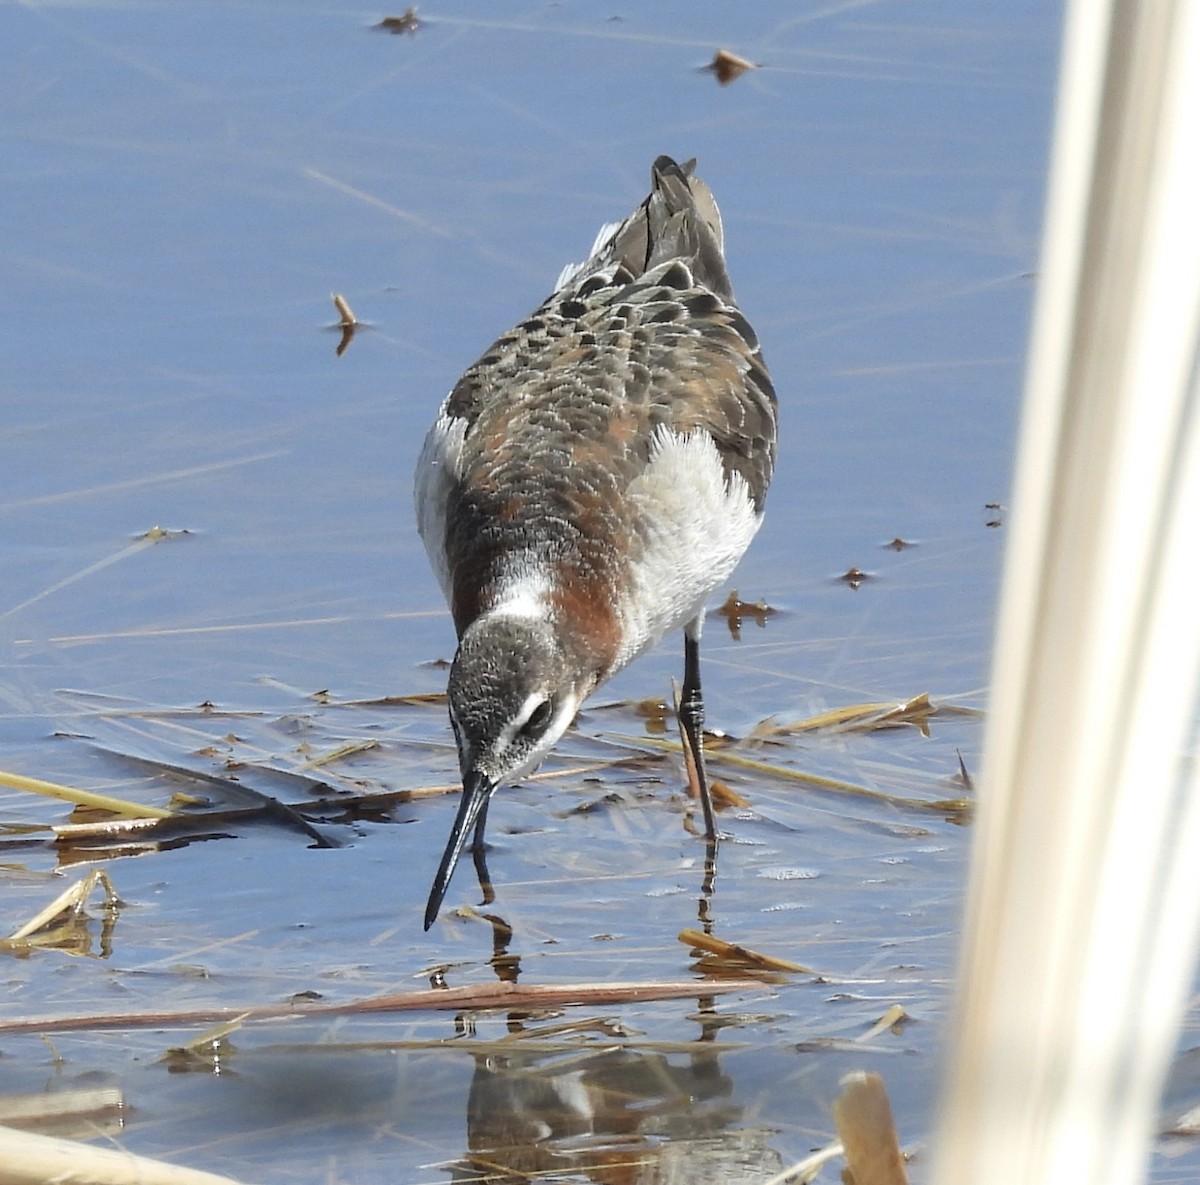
(185, 186)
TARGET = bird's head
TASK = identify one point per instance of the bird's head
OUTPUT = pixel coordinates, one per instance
(512, 693)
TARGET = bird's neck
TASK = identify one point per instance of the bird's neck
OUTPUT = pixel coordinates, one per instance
(581, 612)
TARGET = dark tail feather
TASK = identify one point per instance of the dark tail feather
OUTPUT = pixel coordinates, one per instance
(679, 220)
(684, 223)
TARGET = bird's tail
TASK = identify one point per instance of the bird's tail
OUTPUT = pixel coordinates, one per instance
(679, 220)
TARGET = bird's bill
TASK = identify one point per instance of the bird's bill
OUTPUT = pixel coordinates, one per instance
(477, 789)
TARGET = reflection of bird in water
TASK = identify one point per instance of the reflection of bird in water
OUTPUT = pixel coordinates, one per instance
(587, 485)
(613, 1115)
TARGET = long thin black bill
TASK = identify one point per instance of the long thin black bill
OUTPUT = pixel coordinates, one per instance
(477, 789)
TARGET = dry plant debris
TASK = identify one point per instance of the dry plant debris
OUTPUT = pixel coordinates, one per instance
(350, 749)
(891, 1021)
(724, 795)
(728, 66)
(406, 22)
(206, 1053)
(504, 996)
(654, 712)
(417, 700)
(916, 711)
(104, 802)
(808, 1169)
(216, 806)
(41, 929)
(864, 1121)
(855, 718)
(349, 323)
(736, 611)
(30, 1159)
(957, 809)
(728, 956)
(158, 534)
(78, 1107)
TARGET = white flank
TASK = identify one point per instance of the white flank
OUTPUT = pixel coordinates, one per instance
(696, 524)
(437, 470)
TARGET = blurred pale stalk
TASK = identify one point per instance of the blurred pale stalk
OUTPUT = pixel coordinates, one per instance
(1084, 902)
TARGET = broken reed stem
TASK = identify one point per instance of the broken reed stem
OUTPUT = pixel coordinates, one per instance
(498, 996)
(859, 718)
(734, 954)
(942, 805)
(864, 1121)
(29, 1159)
(74, 897)
(806, 1170)
(104, 802)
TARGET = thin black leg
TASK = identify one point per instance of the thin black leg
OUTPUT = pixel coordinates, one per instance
(691, 720)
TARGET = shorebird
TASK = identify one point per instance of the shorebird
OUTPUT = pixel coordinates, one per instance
(588, 484)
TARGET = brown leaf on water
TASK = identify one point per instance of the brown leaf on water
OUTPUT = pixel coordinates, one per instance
(654, 710)
(736, 611)
(723, 794)
(728, 66)
(406, 22)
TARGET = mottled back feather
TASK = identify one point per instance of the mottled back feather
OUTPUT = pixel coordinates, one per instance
(563, 412)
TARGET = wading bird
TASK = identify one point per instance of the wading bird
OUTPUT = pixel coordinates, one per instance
(586, 486)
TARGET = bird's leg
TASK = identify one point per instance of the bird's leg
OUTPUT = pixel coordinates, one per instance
(690, 709)
(479, 857)
(691, 723)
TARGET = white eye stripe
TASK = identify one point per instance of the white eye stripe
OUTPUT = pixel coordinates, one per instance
(538, 719)
(542, 737)
(534, 703)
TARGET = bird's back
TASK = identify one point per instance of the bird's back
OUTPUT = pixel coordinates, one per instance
(605, 462)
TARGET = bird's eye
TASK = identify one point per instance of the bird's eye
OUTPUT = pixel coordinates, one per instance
(538, 719)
